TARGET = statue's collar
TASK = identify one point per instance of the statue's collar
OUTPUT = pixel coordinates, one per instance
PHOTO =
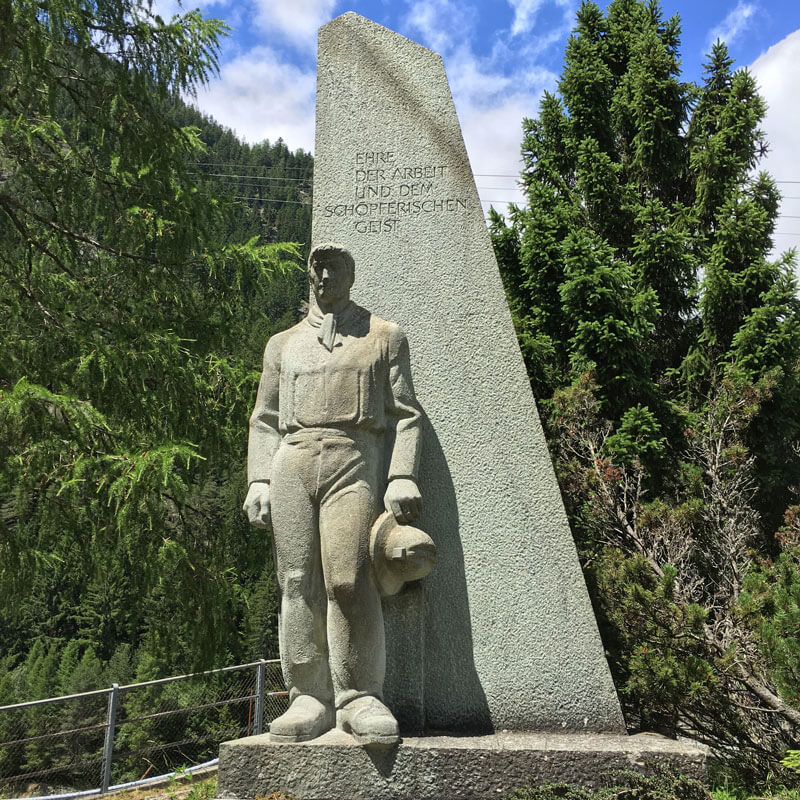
(330, 325)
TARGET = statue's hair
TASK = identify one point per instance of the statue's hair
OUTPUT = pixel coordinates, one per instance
(327, 249)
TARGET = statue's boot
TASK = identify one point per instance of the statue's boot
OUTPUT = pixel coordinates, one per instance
(306, 719)
(369, 721)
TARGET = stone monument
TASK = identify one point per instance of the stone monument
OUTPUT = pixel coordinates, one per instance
(495, 657)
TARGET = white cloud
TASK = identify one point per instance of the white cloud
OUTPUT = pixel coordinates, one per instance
(296, 19)
(734, 24)
(778, 75)
(492, 135)
(433, 21)
(491, 104)
(476, 79)
(167, 9)
(262, 97)
(525, 12)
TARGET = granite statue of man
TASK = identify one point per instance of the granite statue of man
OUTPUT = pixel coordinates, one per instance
(331, 388)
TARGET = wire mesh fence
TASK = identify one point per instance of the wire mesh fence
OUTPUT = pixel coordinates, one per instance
(53, 744)
(90, 742)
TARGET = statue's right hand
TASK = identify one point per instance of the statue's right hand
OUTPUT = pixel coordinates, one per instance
(256, 504)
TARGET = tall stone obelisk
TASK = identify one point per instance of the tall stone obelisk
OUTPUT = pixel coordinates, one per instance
(502, 634)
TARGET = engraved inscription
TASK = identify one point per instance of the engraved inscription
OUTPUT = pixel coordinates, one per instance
(386, 190)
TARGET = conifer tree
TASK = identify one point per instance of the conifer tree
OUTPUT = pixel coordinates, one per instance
(133, 325)
(661, 342)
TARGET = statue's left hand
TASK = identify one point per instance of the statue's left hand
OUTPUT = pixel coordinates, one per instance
(403, 499)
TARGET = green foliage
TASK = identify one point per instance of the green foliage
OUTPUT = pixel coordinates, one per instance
(637, 436)
(554, 791)
(792, 760)
(138, 293)
(204, 789)
(770, 603)
(666, 669)
(769, 792)
(661, 340)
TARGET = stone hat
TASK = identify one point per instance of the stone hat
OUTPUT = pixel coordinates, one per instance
(399, 553)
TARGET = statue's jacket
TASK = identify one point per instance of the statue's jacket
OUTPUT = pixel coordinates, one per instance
(361, 384)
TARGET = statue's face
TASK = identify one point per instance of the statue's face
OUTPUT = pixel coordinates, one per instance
(331, 279)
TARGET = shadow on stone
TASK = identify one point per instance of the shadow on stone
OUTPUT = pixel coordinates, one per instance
(383, 758)
(397, 83)
(434, 616)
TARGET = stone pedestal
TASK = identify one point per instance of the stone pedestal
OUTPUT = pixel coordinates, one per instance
(444, 767)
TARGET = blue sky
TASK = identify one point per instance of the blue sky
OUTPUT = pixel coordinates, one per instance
(499, 56)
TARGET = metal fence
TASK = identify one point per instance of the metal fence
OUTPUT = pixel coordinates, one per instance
(93, 742)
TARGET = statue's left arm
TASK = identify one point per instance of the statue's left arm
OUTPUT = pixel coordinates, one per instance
(402, 496)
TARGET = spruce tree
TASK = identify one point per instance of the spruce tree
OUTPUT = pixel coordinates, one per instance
(661, 342)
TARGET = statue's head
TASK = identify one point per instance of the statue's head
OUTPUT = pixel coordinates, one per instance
(331, 272)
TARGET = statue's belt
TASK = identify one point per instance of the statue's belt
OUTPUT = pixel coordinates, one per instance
(355, 435)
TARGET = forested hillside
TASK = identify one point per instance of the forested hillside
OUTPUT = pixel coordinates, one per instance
(272, 183)
(662, 343)
(140, 275)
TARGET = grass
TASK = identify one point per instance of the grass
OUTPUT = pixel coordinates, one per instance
(771, 793)
(182, 787)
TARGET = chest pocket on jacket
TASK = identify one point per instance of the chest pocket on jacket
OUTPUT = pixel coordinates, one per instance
(326, 397)
(343, 394)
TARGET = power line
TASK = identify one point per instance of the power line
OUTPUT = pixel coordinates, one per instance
(309, 179)
(248, 166)
(267, 200)
(267, 187)
(480, 188)
(304, 169)
(258, 199)
(252, 177)
(296, 180)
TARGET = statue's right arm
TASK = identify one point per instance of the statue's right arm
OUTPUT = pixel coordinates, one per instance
(265, 437)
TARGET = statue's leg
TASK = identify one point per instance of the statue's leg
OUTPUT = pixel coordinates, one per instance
(348, 507)
(295, 523)
(356, 640)
(355, 620)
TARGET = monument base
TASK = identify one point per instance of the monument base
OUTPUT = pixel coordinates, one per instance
(442, 767)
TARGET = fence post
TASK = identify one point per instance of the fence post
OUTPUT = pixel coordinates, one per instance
(108, 746)
(261, 680)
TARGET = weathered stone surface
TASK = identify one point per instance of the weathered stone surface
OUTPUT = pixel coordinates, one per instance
(436, 767)
(503, 635)
(331, 388)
